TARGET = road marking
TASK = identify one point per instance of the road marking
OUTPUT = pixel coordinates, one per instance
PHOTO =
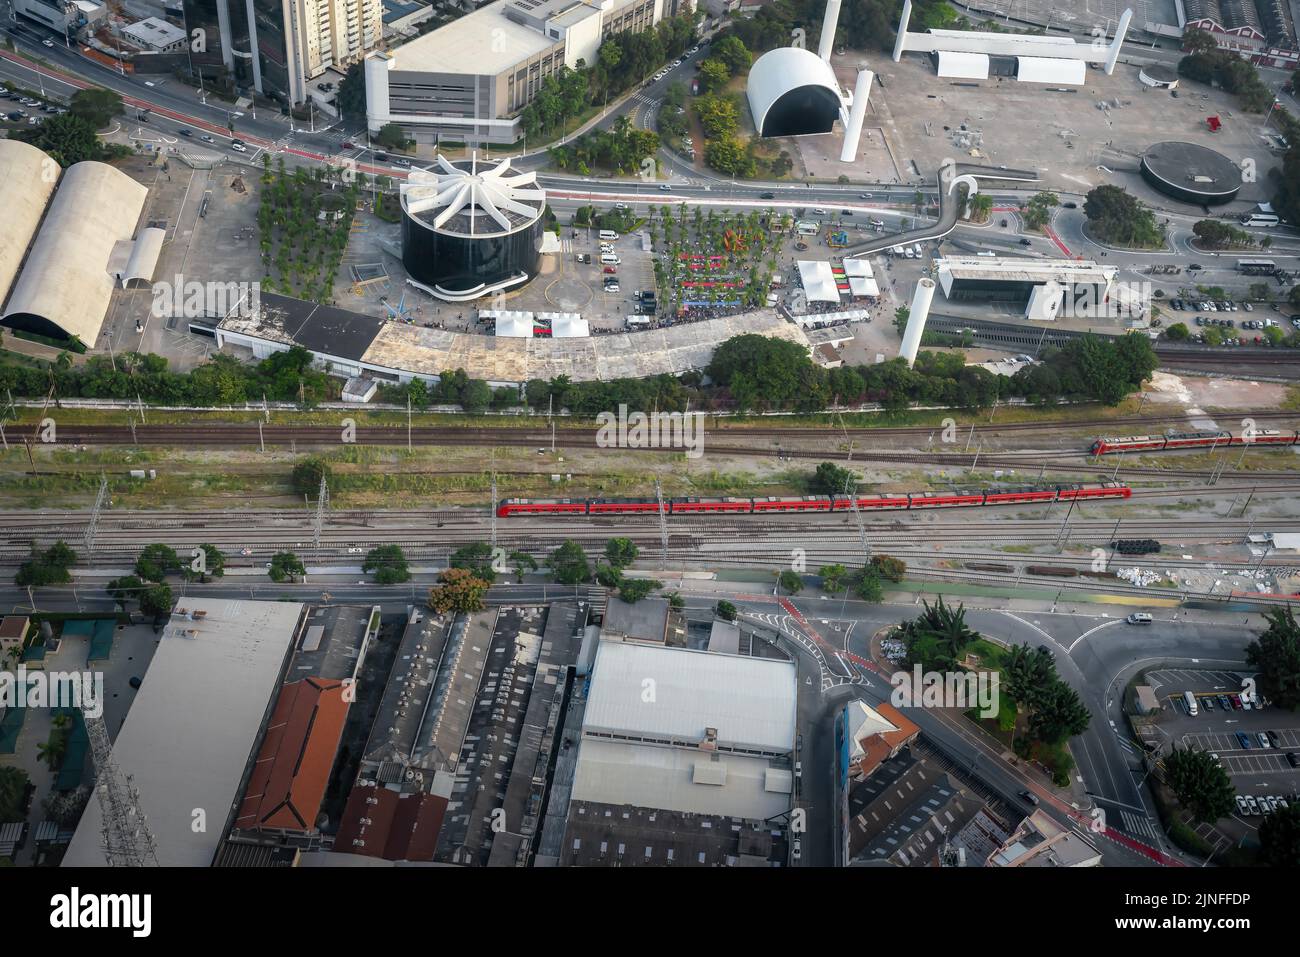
(1104, 624)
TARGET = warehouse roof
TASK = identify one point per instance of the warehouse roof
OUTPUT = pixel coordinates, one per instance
(483, 42)
(30, 176)
(66, 284)
(191, 729)
(749, 702)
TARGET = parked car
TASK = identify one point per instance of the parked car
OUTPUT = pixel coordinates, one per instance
(609, 270)
(1242, 806)
(1236, 701)
(1293, 759)
(1264, 742)
(1208, 703)
(1251, 805)
(1224, 703)
(1244, 741)
(797, 849)
(1274, 739)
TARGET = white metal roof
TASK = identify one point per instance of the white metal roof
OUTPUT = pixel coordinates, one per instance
(28, 176)
(1003, 44)
(476, 201)
(779, 71)
(144, 255)
(66, 279)
(818, 281)
(1035, 69)
(483, 42)
(750, 701)
(193, 725)
(968, 66)
(676, 779)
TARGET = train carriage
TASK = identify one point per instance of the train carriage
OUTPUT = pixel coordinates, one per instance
(1128, 443)
(1014, 496)
(1266, 437)
(542, 506)
(871, 503)
(1098, 490)
(803, 503)
(622, 506)
(1197, 440)
(945, 499)
(687, 505)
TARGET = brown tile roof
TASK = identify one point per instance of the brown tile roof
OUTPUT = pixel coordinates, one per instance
(382, 823)
(293, 767)
(878, 747)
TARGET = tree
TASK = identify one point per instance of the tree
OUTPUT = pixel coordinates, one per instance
(13, 794)
(476, 396)
(391, 136)
(867, 586)
(156, 600)
(1027, 672)
(48, 567)
(714, 75)
(523, 563)
(477, 557)
(1216, 234)
(1038, 210)
(632, 590)
(725, 610)
(286, 566)
(1200, 784)
(156, 562)
(1178, 332)
(569, 564)
(212, 565)
(830, 479)
(68, 139)
(460, 591)
(731, 51)
(307, 474)
(388, 563)
(96, 106)
(889, 568)
(1279, 837)
(832, 577)
(1276, 656)
(790, 582)
(764, 373)
(621, 552)
(352, 93)
(125, 589)
(1115, 216)
(901, 315)
(1059, 714)
(937, 638)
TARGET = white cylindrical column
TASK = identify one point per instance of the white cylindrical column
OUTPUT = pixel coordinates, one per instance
(1120, 32)
(917, 314)
(900, 44)
(829, 24)
(853, 130)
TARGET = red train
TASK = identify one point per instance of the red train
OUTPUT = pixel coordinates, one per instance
(814, 503)
(1192, 440)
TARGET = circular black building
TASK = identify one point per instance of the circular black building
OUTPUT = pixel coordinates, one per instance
(470, 229)
(1191, 173)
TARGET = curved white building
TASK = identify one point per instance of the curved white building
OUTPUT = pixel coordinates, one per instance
(31, 176)
(793, 92)
(66, 284)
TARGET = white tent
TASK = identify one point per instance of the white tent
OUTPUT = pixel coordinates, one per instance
(862, 281)
(1037, 69)
(516, 325)
(818, 281)
(566, 325)
(966, 66)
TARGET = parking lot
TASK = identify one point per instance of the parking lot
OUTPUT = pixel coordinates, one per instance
(1258, 767)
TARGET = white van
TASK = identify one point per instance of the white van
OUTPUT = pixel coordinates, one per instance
(608, 235)
(908, 252)
(985, 252)
(609, 259)
(1139, 618)
(1189, 700)
(917, 250)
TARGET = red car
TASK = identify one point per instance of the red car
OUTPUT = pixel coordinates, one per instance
(610, 270)
(347, 146)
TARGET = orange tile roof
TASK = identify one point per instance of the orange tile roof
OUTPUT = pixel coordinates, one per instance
(396, 827)
(293, 767)
(878, 747)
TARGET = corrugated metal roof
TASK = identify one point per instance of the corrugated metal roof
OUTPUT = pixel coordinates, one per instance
(969, 66)
(1036, 69)
(31, 175)
(655, 691)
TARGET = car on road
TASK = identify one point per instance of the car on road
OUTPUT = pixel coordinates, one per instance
(1069, 205)
(1025, 242)
(184, 133)
(402, 162)
(1030, 797)
(818, 211)
(206, 138)
(239, 147)
(620, 206)
(1194, 267)
(47, 42)
(347, 145)
(664, 187)
(767, 195)
(613, 287)
(1244, 740)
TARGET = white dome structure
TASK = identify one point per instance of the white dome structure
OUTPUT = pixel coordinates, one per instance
(793, 92)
